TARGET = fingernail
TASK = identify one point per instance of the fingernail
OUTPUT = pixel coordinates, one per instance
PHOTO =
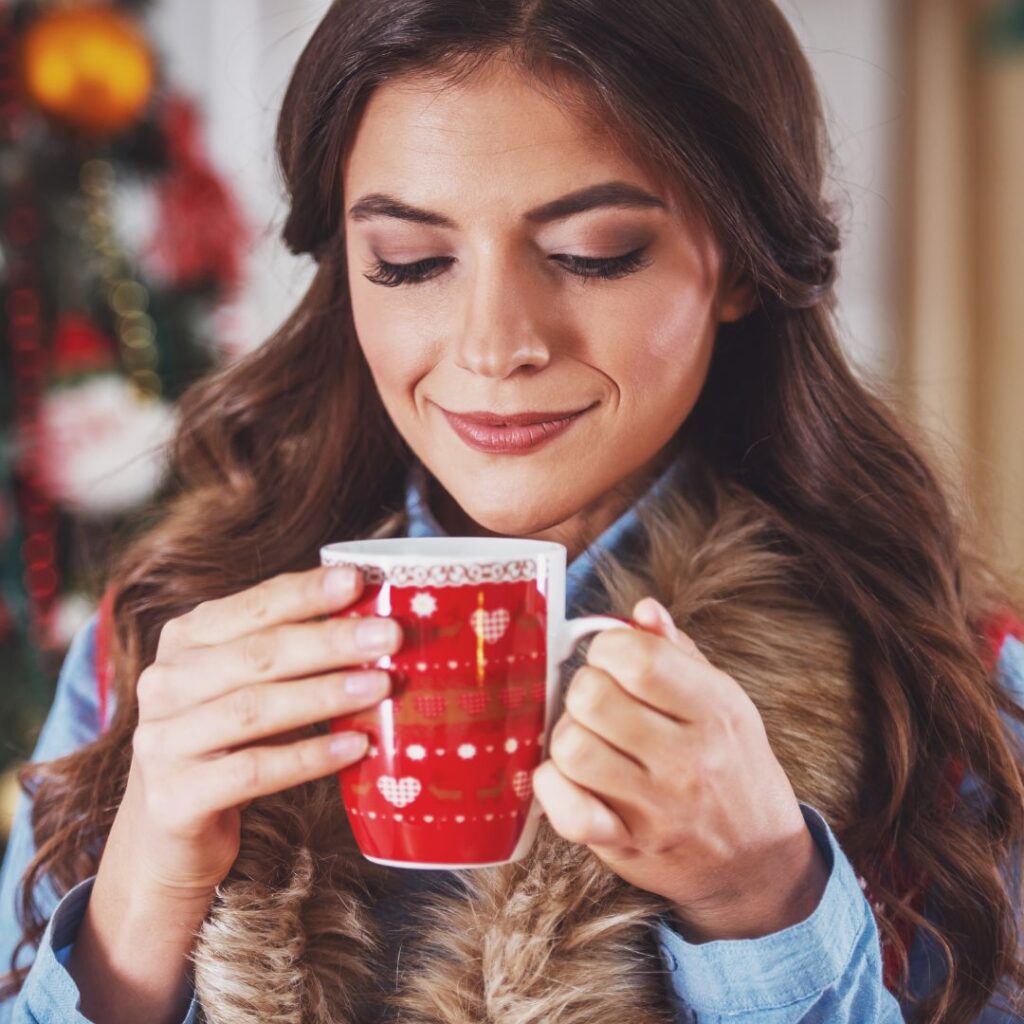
(376, 634)
(348, 744)
(365, 684)
(340, 580)
(649, 607)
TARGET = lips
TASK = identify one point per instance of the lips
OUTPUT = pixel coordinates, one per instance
(510, 433)
(495, 419)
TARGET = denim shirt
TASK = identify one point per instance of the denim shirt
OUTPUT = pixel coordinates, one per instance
(826, 969)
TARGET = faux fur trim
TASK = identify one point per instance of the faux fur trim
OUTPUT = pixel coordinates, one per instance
(556, 938)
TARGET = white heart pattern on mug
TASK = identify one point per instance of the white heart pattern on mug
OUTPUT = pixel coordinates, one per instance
(399, 792)
(490, 625)
(522, 784)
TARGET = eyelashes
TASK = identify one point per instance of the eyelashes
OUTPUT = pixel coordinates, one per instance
(391, 275)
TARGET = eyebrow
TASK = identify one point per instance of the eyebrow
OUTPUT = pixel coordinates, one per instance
(608, 193)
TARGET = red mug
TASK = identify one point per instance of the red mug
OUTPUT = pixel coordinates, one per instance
(446, 781)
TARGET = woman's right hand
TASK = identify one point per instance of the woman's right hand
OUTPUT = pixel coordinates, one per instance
(233, 680)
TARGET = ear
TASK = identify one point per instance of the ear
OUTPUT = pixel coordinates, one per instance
(736, 297)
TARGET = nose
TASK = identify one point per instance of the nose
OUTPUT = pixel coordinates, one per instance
(501, 329)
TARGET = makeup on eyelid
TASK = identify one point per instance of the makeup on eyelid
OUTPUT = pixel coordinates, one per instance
(502, 311)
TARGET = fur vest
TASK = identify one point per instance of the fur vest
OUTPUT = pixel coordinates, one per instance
(556, 938)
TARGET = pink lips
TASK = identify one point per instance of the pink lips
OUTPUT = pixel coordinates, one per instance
(519, 432)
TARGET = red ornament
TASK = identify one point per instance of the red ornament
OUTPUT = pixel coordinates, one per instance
(200, 232)
(78, 345)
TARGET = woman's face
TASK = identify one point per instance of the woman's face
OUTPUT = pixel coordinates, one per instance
(501, 319)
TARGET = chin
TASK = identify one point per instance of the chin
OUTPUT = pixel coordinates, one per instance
(510, 517)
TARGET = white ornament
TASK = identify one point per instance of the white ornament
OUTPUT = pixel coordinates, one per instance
(399, 791)
(416, 751)
(424, 605)
(466, 751)
(103, 448)
(71, 613)
(511, 745)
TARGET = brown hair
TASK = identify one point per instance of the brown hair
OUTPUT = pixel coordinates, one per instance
(290, 447)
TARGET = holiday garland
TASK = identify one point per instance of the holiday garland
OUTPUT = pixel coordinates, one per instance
(98, 335)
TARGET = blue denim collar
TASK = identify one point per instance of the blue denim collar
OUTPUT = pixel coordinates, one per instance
(582, 592)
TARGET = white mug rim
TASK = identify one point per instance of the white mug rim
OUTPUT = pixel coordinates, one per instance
(434, 550)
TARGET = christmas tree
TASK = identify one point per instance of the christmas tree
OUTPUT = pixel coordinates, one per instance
(118, 244)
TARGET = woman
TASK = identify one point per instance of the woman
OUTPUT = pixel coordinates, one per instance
(611, 213)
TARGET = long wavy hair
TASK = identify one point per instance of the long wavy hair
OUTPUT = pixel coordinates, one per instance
(290, 447)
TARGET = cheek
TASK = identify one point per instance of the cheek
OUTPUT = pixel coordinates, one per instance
(665, 356)
(392, 344)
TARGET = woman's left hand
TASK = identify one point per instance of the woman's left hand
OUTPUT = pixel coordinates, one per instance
(661, 764)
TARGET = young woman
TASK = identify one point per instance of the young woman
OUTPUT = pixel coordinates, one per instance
(794, 794)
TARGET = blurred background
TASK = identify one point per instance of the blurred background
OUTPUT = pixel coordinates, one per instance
(140, 208)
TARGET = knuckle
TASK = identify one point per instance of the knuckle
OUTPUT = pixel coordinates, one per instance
(183, 623)
(601, 646)
(256, 602)
(169, 629)
(568, 746)
(151, 686)
(703, 769)
(173, 632)
(309, 756)
(730, 721)
(147, 740)
(247, 769)
(584, 694)
(644, 663)
(331, 691)
(312, 582)
(259, 651)
(341, 634)
(247, 706)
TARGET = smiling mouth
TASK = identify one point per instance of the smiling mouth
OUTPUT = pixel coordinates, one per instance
(498, 433)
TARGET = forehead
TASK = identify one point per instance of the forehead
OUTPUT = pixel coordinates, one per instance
(493, 137)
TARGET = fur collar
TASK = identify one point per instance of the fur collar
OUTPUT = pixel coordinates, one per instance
(556, 938)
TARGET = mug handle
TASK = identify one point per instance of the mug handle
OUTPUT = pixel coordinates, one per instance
(573, 630)
(569, 635)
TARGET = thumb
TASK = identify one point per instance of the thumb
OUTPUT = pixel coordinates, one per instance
(650, 613)
(653, 615)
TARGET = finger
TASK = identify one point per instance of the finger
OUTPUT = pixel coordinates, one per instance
(660, 674)
(586, 759)
(254, 771)
(287, 597)
(598, 702)
(278, 653)
(267, 710)
(648, 611)
(574, 813)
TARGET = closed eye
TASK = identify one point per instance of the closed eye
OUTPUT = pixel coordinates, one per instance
(390, 275)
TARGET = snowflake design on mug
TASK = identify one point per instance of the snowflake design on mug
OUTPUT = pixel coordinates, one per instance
(423, 604)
